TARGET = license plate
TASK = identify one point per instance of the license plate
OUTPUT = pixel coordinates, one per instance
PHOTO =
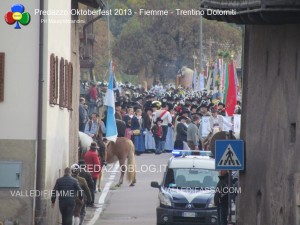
(189, 214)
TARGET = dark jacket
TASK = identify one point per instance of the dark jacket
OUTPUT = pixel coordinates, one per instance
(83, 118)
(221, 196)
(68, 187)
(148, 104)
(127, 121)
(135, 125)
(147, 122)
(154, 130)
(222, 112)
(118, 115)
(87, 176)
(121, 127)
(181, 132)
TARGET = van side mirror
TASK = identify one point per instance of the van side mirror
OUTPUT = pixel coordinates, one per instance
(155, 184)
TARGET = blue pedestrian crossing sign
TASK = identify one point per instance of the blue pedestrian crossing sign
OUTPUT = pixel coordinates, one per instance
(229, 155)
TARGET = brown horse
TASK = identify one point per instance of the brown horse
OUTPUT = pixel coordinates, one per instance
(209, 141)
(122, 150)
(206, 141)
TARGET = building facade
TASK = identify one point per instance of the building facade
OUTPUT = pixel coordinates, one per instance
(39, 100)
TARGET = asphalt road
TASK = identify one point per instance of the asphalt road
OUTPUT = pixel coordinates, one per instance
(134, 205)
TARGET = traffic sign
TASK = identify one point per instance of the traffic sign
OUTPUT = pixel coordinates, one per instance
(229, 155)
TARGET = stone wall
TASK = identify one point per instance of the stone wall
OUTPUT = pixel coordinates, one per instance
(270, 126)
(20, 206)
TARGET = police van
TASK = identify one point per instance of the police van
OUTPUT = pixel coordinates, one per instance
(187, 190)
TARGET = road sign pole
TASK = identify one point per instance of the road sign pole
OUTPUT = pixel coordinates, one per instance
(229, 156)
(229, 137)
(229, 196)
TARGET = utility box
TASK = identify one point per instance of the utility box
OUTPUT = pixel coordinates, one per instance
(10, 174)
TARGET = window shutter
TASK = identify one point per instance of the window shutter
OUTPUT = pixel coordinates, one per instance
(2, 63)
(70, 77)
(52, 80)
(56, 80)
(61, 83)
(66, 91)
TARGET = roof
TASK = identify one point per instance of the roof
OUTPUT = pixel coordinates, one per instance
(200, 162)
(255, 11)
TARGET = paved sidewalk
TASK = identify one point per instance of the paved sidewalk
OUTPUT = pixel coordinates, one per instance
(129, 205)
(108, 180)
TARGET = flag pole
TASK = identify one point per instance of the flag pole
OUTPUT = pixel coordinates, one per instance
(200, 42)
(108, 36)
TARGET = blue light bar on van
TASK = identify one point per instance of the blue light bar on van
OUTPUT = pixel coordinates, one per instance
(178, 153)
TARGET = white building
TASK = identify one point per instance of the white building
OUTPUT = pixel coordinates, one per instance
(38, 132)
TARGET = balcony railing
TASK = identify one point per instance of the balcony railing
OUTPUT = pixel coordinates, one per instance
(90, 37)
(93, 3)
(87, 63)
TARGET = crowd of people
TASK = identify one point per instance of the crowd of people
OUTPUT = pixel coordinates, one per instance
(158, 120)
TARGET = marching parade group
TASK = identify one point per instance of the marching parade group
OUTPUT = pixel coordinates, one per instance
(159, 120)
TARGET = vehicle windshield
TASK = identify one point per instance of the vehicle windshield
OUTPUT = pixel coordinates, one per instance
(191, 178)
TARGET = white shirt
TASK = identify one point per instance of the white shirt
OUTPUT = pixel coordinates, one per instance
(167, 118)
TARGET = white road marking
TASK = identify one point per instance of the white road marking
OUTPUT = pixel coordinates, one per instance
(103, 196)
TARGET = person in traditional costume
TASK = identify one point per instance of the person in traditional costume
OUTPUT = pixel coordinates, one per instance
(137, 129)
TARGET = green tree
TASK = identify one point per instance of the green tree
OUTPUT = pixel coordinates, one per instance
(160, 45)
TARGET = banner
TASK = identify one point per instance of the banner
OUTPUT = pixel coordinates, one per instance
(231, 100)
(194, 84)
(225, 90)
(214, 76)
(111, 126)
(201, 82)
(237, 123)
(227, 124)
(205, 126)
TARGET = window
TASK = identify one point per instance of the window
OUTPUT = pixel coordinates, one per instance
(61, 82)
(191, 178)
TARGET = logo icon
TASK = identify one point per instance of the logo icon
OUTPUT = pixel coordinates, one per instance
(189, 206)
(17, 15)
